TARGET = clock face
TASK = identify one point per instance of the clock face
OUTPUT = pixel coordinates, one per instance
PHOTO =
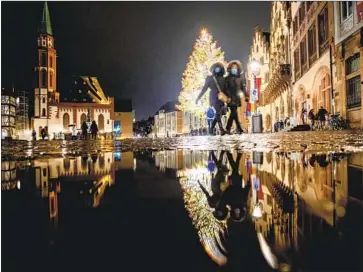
(50, 43)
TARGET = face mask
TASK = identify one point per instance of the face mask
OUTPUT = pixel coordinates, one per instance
(234, 71)
(217, 69)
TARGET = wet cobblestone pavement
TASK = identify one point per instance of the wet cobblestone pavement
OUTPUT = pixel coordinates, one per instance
(325, 141)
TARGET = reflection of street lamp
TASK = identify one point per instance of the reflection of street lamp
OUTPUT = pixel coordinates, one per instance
(255, 69)
(257, 211)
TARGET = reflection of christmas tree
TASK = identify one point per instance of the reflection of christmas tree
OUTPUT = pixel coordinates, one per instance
(205, 54)
(211, 231)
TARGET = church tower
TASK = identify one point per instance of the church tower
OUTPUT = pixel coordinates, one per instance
(46, 69)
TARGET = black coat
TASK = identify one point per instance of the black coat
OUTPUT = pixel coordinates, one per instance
(235, 85)
(209, 83)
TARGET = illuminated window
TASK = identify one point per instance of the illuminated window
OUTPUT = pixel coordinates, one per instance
(346, 10)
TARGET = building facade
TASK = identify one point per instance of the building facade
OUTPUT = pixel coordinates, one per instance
(85, 103)
(312, 32)
(348, 54)
(168, 120)
(259, 53)
(8, 113)
(276, 92)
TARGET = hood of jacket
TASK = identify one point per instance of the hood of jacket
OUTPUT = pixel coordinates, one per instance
(220, 64)
(238, 63)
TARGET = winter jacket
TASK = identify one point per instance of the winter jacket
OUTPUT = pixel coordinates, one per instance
(209, 83)
(235, 85)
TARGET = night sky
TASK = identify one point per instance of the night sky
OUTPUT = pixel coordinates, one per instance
(137, 50)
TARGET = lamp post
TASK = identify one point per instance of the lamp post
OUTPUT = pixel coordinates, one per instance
(255, 69)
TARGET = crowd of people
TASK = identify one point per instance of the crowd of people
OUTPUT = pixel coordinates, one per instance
(225, 93)
(85, 133)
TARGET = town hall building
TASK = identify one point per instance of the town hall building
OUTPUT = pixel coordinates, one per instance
(87, 103)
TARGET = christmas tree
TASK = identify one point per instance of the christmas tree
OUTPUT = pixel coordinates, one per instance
(205, 53)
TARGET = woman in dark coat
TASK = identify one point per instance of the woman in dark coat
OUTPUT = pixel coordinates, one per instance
(234, 88)
(94, 130)
(218, 72)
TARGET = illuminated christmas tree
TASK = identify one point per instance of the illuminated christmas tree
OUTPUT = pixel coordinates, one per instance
(205, 53)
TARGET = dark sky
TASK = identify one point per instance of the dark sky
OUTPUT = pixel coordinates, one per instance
(137, 50)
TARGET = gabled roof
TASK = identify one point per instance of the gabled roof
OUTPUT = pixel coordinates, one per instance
(45, 25)
(168, 107)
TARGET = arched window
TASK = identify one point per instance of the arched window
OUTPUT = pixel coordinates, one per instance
(101, 122)
(83, 118)
(51, 62)
(66, 163)
(43, 112)
(43, 99)
(65, 120)
(44, 172)
(43, 79)
(51, 80)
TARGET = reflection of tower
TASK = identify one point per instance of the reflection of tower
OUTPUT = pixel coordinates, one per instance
(45, 89)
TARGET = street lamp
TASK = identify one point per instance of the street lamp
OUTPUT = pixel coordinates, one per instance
(257, 211)
(255, 69)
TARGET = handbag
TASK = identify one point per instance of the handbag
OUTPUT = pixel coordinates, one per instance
(221, 95)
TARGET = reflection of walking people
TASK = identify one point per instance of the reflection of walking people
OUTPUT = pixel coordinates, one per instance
(216, 84)
(217, 180)
(94, 130)
(235, 87)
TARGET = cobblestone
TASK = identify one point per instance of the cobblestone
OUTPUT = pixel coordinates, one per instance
(315, 142)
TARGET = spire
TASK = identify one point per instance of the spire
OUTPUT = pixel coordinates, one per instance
(45, 25)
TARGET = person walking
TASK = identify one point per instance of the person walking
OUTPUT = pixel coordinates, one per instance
(235, 87)
(216, 84)
(84, 129)
(94, 130)
(311, 117)
(43, 133)
(322, 116)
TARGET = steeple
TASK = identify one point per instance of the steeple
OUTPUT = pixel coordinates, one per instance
(45, 25)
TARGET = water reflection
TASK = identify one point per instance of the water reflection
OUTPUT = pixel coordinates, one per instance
(300, 203)
(289, 211)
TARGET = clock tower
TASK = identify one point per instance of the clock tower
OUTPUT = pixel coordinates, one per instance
(46, 68)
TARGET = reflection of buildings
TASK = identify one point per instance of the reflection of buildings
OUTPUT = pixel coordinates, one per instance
(97, 171)
(8, 113)
(322, 198)
(9, 178)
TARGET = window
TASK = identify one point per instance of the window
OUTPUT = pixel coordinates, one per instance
(83, 118)
(51, 61)
(65, 120)
(302, 12)
(346, 10)
(43, 99)
(352, 64)
(308, 5)
(43, 112)
(297, 63)
(323, 30)
(295, 26)
(43, 59)
(43, 79)
(312, 44)
(101, 122)
(353, 83)
(51, 80)
(353, 92)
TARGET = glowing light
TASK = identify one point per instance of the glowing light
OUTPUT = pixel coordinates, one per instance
(266, 252)
(18, 184)
(257, 211)
(255, 66)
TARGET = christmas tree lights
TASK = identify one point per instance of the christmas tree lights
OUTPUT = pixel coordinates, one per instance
(205, 53)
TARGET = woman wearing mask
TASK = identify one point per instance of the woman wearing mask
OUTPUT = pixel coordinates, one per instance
(216, 84)
(235, 87)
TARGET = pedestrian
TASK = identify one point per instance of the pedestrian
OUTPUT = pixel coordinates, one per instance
(94, 130)
(84, 129)
(311, 117)
(216, 84)
(43, 133)
(322, 117)
(235, 87)
(34, 135)
(74, 133)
